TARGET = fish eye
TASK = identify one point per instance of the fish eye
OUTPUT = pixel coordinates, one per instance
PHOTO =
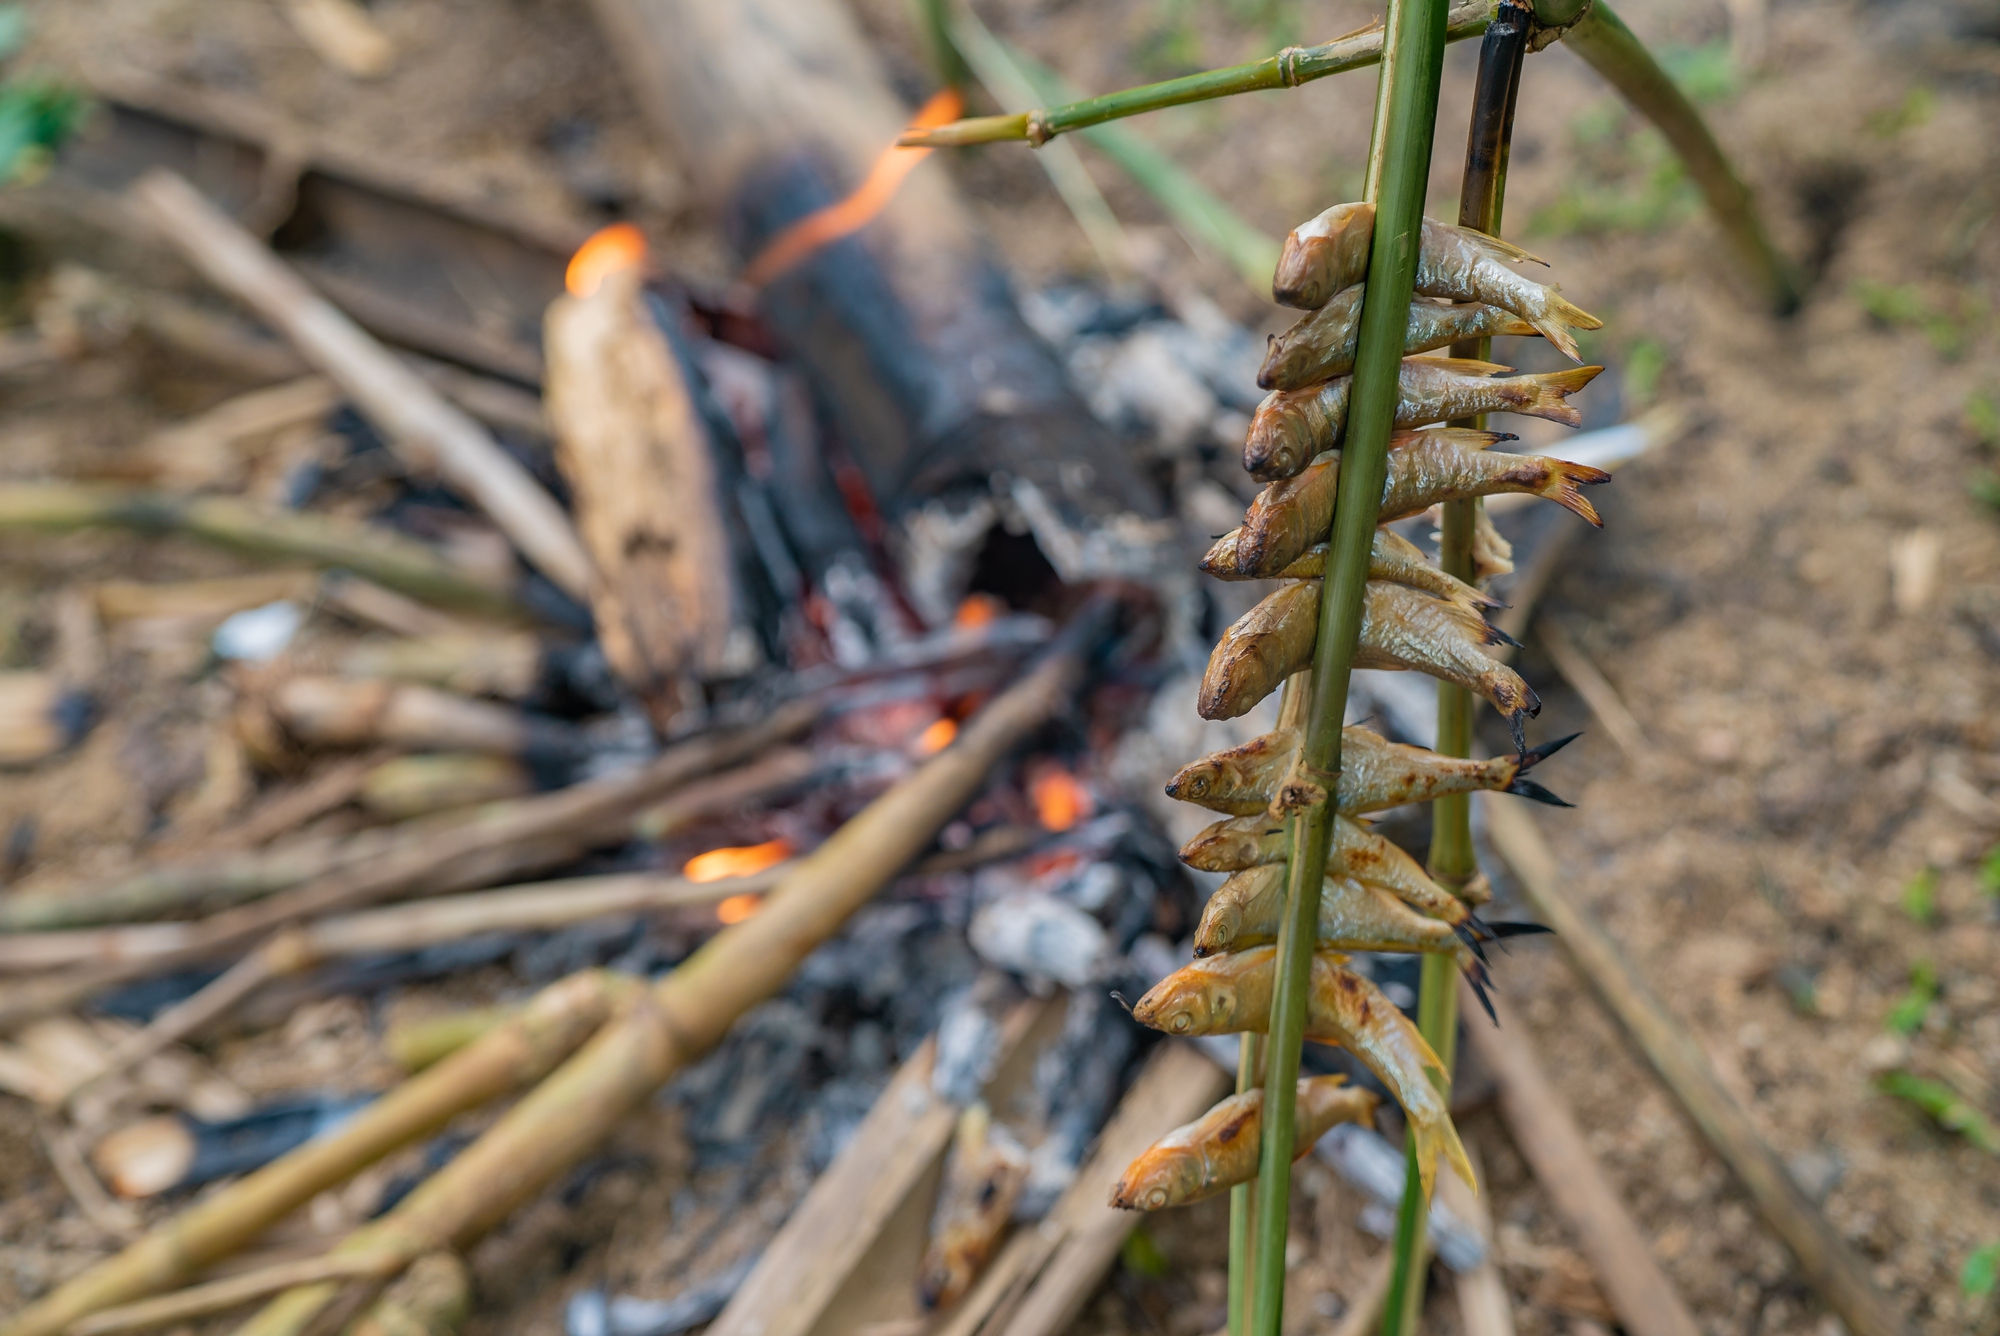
(1156, 1199)
(1182, 1022)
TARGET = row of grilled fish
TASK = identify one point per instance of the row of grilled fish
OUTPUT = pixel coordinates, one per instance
(1416, 616)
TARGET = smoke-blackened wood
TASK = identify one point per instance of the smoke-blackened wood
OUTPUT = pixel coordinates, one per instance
(906, 327)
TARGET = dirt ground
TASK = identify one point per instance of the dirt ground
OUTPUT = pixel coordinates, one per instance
(1797, 600)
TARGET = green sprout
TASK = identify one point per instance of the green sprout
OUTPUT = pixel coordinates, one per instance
(1920, 897)
(1982, 1271)
(1907, 1016)
(1989, 872)
(1982, 418)
(1901, 304)
(1644, 361)
(1917, 107)
(1944, 1107)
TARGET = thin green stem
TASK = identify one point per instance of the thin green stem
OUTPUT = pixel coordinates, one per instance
(1242, 1201)
(1291, 67)
(1414, 40)
(1604, 43)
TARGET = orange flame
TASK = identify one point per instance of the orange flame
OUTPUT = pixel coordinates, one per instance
(1059, 797)
(976, 611)
(937, 737)
(737, 908)
(855, 212)
(619, 246)
(717, 864)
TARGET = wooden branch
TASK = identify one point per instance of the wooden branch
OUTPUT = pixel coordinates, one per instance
(415, 419)
(689, 1011)
(342, 712)
(1663, 1039)
(1483, 1306)
(637, 459)
(380, 555)
(561, 1017)
(216, 1296)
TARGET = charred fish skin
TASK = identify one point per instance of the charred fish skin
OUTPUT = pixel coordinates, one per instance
(1323, 255)
(1321, 346)
(1220, 1149)
(1291, 427)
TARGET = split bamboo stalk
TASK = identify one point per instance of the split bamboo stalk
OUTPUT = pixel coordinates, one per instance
(217, 1296)
(1291, 67)
(1593, 30)
(387, 558)
(1646, 1302)
(692, 1008)
(1406, 119)
(1452, 860)
(522, 1050)
(416, 419)
(1823, 1256)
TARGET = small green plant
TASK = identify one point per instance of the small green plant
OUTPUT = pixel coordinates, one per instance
(1902, 305)
(1944, 1107)
(1989, 873)
(1142, 1256)
(1985, 489)
(1920, 897)
(1644, 361)
(1907, 1016)
(1982, 418)
(36, 114)
(1917, 107)
(1706, 73)
(1981, 1272)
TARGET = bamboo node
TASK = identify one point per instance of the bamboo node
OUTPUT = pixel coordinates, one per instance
(1303, 788)
(1288, 66)
(1541, 35)
(1039, 131)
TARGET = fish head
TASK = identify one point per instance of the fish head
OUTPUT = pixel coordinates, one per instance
(1196, 781)
(1220, 923)
(1280, 443)
(1192, 1000)
(1150, 1182)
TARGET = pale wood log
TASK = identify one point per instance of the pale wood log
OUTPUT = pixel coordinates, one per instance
(637, 460)
(339, 712)
(414, 417)
(1483, 1306)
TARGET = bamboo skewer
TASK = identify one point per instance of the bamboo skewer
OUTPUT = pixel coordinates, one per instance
(691, 1009)
(561, 1017)
(415, 418)
(1840, 1277)
(1605, 704)
(218, 1296)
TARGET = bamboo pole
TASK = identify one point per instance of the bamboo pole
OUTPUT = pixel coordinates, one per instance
(417, 420)
(387, 558)
(1823, 1256)
(1289, 68)
(1453, 861)
(1413, 60)
(1593, 30)
(561, 1017)
(692, 1008)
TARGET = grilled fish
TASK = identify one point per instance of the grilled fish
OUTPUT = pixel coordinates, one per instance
(1330, 253)
(1248, 845)
(1247, 910)
(1293, 426)
(982, 1179)
(1321, 346)
(1375, 774)
(1232, 993)
(1221, 1148)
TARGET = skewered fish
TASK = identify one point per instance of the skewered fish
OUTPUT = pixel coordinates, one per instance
(1400, 628)
(982, 1179)
(1248, 844)
(1220, 1149)
(1232, 993)
(1247, 909)
(1292, 426)
(1321, 345)
(1375, 774)
(1329, 253)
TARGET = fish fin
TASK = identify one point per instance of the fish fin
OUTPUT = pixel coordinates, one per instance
(1505, 929)
(1480, 981)
(1528, 760)
(1518, 326)
(1499, 248)
(1500, 636)
(1465, 366)
(1523, 787)
(1559, 317)
(1516, 725)
(1442, 1139)
(1561, 488)
(1466, 438)
(1552, 391)
(1472, 941)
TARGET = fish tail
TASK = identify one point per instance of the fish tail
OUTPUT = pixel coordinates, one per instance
(1466, 932)
(1479, 980)
(1516, 725)
(1506, 929)
(1522, 787)
(1550, 392)
(1441, 1138)
(1564, 480)
(1498, 636)
(1528, 760)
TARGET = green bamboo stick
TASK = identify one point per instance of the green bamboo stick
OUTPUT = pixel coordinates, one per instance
(1453, 861)
(1242, 1203)
(1597, 35)
(1291, 67)
(1413, 52)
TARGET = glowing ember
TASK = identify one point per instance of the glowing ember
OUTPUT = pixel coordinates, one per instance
(977, 610)
(937, 737)
(717, 864)
(1059, 797)
(737, 908)
(619, 246)
(855, 212)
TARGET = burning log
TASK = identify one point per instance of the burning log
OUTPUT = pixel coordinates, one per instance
(630, 443)
(335, 712)
(905, 328)
(690, 1010)
(413, 416)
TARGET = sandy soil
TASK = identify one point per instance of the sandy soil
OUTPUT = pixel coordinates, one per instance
(1821, 732)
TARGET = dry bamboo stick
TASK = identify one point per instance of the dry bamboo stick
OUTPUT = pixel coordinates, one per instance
(1603, 699)
(413, 416)
(1840, 1277)
(691, 1009)
(387, 558)
(1483, 1306)
(389, 860)
(520, 1051)
(339, 712)
(216, 1296)
(1646, 1301)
